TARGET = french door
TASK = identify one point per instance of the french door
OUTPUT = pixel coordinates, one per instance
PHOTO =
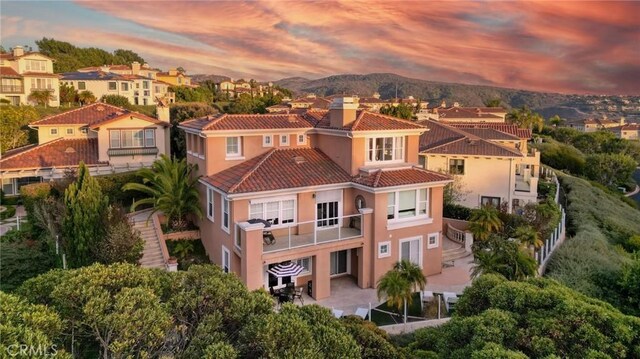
(327, 214)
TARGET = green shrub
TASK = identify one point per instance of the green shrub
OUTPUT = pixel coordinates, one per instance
(34, 192)
(456, 211)
(22, 258)
(9, 212)
(111, 186)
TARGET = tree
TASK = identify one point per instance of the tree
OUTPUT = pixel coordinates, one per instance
(556, 121)
(122, 242)
(122, 56)
(484, 221)
(14, 121)
(41, 97)
(502, 256)
(528, 237)
(181, 69)
(629, 283)
(525, 118)
(116, 100)
(68, 94)
(171, 186)
(493, 102)
(398, 284)
(403, 111)
(82, 226)
(609, 169)
(86, 97)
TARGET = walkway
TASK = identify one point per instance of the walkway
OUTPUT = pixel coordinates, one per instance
(152, 254)
(10, 223)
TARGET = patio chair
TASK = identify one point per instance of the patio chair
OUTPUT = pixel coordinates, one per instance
(362, 312)
(268, 238)
(337, 313)
(283, 298)
(272, 292)
(298, 294)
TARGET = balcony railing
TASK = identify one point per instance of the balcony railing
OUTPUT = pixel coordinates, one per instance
(303, 234)
(132, 151)
(11, 88)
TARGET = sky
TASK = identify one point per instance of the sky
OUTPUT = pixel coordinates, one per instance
(553, 46)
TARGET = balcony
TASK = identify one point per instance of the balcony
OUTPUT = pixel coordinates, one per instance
(132, 151)
(303, 234)
(11, 89)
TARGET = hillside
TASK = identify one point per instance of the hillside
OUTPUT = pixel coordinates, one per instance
(548, 104)
(197, 78)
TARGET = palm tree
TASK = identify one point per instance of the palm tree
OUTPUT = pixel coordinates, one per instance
(413, 273)
(525, 118)
(504, 257)
(396, 288)
(42, 97)
(528, 237)
(171, 186)
(86, 97)
(484, 221)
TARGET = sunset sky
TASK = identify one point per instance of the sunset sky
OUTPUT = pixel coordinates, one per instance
(575, 47)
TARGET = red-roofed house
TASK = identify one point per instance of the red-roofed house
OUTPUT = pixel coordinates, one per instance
(24, 72)
(336, 191)
(108, 139)
(457, 113)
(491, 161)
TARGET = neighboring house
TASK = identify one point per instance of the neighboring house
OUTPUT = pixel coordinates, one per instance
(630, 131)
(23, 72)
(174, 78)
(339, 188)
(310, 102)
(594, 124)
(457, 113)
(491, 161)
(143, 70)
(236, 88)
(101, 83)
(108, 139)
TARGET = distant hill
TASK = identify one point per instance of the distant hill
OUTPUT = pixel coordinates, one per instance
(548, 104)
(197, 78)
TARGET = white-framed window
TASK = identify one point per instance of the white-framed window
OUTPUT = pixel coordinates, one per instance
(284, 140)
(411, 249)
(408, 204)
(276, 211)
(53, 131)
(384, 249)
(113, 86)
(234, 147)
(302, 139)
(132, 138)
(433, 240)
(70, 131)
(149, 137)
(225, 215)
(456, 166)
(210, 204)
(226, 260)
(267, 141)
(114, 138)
(82, 85)
(124, 86)
(382, 149)
(305, 263)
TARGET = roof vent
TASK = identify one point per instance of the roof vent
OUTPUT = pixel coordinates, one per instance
(100, 108)
(70, 150)
(299, 159)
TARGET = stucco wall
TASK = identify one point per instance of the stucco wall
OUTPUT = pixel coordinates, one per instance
(128, 123)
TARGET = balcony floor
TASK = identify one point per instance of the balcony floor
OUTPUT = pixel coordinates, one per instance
(300, 240)
(522, 186)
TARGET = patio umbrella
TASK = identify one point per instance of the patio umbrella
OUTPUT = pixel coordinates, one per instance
(289, 269)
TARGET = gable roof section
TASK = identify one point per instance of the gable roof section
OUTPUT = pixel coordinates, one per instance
(9, 72)
(444, 139)
(93, 115)
(400, 177)
(280, 169)
(489, 134)
(365, 121)
(60, 152)
(248, 122)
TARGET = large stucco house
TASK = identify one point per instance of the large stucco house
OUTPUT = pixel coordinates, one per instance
(23, 72)
(108, 139)
(492, 162)
(337, 191)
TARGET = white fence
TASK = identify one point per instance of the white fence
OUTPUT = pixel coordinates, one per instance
(543, 253)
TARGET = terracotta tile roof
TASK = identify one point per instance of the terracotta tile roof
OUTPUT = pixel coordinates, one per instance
(444, 139)
(461, 112)
(57, 153)
(280, 169)
(365, 121)
(502, 127)
(93, 115)
(399, 177)
(9, 72)
(314, 102)
(248, 122)
(489, 134)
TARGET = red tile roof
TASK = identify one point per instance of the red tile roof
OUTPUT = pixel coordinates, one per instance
(444, 139)
(93, 115)
(400, 177)
(523, 133)
(280, 169)
(9, 72)
(464, 112)
(365, 121)
(248, 122)
(57, 153)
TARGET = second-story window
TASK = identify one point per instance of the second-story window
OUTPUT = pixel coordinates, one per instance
(284, 140)
(113, 86)
(82, 85)
(408, 204)
(225, 214)
(70, 131)
(210, 204)
(456, 166)
(53, 132)
(381, 149)
(124, 86)
(302, 139)
(267, 141)
(145, 84)
(132, 138)
(234, 147)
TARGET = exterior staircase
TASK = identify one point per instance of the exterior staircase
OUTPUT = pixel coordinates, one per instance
(452, 254)
(152, 254)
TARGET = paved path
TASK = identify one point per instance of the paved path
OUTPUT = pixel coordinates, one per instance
(10, 223)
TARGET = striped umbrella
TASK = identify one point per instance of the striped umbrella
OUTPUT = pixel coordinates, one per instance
(288, 269)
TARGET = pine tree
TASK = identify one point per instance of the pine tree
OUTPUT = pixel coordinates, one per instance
(83, 227)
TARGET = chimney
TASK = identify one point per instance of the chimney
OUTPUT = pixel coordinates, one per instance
(342, 111)
(135, 68)
(18, 51)
(162, 110)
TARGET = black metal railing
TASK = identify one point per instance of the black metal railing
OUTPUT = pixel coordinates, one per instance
(132, 151)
